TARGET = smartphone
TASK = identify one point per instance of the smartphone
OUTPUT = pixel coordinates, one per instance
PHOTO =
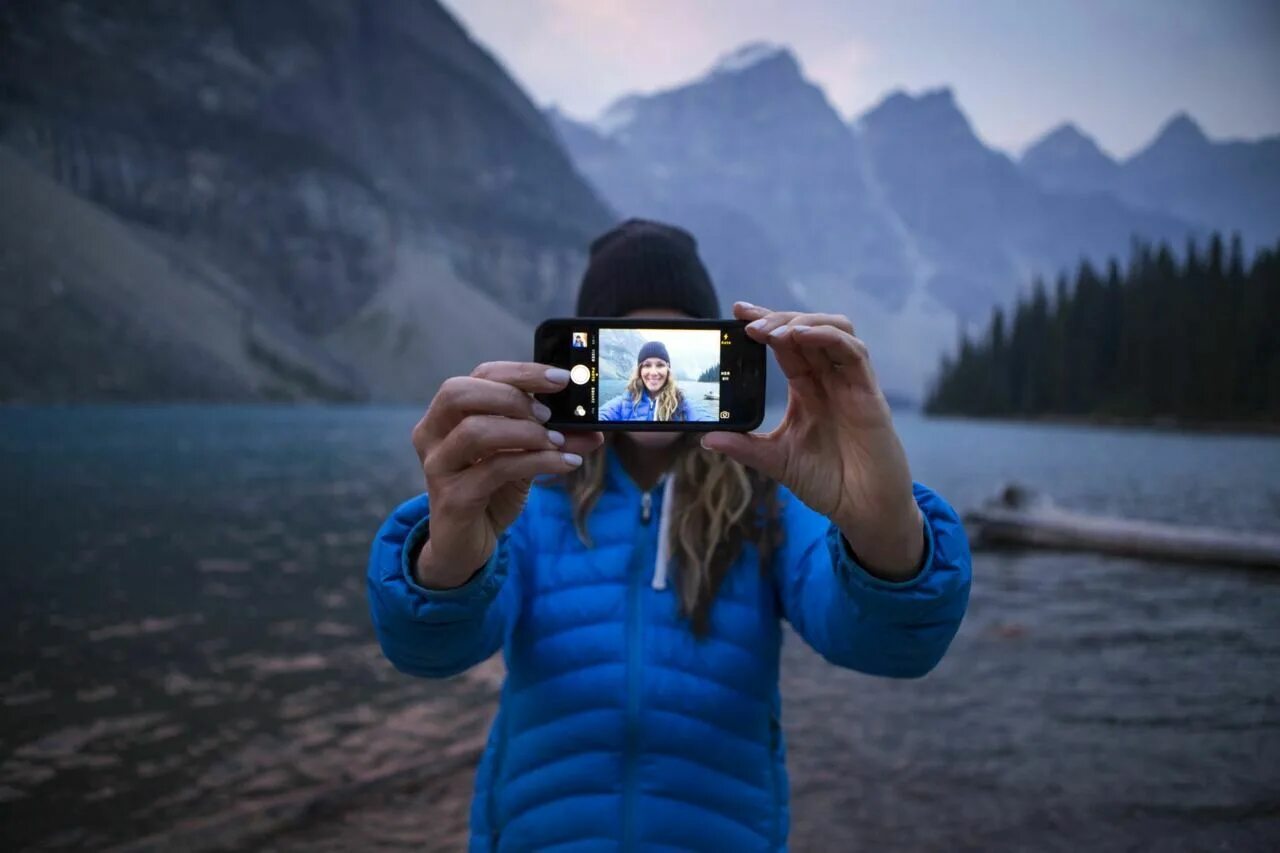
(653, 374)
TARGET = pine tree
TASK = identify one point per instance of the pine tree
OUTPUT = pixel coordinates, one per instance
(1192, 340)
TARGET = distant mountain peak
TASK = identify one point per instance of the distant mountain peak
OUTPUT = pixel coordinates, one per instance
(943, 96)
(755, 54)
(1066, 142)
(931, 101)
(1067, 134)
(1066, 159)
(1181, 129)
(934, 109)
(759, 71)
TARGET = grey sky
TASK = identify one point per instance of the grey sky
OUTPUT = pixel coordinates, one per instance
(1118, 69)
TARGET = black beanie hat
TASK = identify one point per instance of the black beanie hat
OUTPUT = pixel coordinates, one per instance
(653, 349)
(644, 264)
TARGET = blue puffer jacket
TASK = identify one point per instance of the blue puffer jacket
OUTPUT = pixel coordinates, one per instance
(617, 728)
(625, 408)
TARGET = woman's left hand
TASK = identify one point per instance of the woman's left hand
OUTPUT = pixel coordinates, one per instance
(836, 448)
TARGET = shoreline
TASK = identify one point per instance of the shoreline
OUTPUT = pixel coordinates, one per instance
(1154, 424)
(1262, 429)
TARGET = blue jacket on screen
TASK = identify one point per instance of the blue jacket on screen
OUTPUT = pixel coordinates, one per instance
(617, 728)
(624, 408)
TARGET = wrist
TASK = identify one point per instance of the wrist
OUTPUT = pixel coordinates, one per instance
(889, 546)
(434, 574)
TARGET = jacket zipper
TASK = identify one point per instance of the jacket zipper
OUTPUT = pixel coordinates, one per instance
(634, 600)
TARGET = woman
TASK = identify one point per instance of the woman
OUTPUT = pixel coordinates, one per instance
(637, 593)
(652, 393)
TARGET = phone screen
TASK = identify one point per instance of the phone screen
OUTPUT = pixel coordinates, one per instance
(653, 374)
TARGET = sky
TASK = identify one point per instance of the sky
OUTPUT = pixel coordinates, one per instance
(1119, 70)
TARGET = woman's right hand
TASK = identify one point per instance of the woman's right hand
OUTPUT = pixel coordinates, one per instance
(481, 443)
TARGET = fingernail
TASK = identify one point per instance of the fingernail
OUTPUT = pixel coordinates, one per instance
(758, 324)
(778, 332)
(572, 459)
(801, 328)
(557, 375)
(745, 304)
(557, 438)
(541, 412)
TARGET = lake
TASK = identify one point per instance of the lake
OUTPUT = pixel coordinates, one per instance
(189, 663)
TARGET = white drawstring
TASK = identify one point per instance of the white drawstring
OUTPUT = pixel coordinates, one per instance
(664, 525)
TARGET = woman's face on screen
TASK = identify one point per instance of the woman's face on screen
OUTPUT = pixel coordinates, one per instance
(655, 440)
(653, 372)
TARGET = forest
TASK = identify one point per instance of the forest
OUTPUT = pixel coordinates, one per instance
(1191, 339)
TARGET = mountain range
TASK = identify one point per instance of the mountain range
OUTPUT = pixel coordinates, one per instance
(336, 200)
(229, 201)
(1232, 186)
(902, 218)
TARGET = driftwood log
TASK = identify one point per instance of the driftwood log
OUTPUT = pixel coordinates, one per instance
(1021, 517)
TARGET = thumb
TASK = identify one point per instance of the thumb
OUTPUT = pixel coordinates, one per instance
(752, 450)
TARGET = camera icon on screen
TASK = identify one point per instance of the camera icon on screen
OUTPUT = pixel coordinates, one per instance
(724, 415)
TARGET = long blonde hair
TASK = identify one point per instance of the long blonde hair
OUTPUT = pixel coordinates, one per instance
(666, 402)
(719, 505)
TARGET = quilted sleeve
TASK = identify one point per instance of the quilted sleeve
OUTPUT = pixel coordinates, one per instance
(614, 410)
(862, 622)
(438, 633)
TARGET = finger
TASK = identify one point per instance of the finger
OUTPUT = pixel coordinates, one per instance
(768, 328)
(460, 396)
(794, 366)
(834, 354)
(838, 321)
(760, 328)
(478, 437)
(477, 484)
(816, 362)
(820, 366)
(754, 450)
(582, 443)
(531, 376)
(748, 312)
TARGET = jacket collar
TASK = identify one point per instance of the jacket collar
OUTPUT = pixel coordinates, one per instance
(616, 477)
